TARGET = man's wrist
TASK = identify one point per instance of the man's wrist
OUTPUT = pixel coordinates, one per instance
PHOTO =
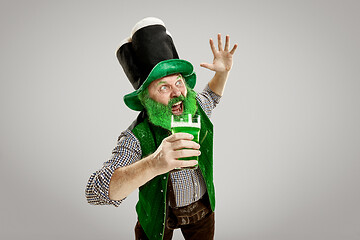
(149, 162)
(217, 83)
(223, 74)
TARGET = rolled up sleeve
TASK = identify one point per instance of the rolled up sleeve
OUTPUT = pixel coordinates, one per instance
(208, 100)
(126, 152)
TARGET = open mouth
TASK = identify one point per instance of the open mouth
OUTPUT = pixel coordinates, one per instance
(177, 108)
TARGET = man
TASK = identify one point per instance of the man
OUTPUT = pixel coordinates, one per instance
(147, 155)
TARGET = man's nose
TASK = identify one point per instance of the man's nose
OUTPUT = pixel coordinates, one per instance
(175, 92)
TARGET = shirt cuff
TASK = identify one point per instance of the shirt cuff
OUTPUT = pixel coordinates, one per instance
(99, 194)
(216, 98)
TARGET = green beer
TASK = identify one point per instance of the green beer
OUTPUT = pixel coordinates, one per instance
(187, 124)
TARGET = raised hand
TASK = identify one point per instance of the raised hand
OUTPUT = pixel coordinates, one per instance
(222, 57)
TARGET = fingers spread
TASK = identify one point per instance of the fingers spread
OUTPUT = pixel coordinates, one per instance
(207, 65)
(233, 49)
(220, 42)
(227, 43)
(212, 46)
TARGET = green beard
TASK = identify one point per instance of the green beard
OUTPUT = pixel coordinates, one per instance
(160, 114)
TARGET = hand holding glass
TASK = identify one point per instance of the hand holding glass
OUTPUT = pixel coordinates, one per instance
(187, 124)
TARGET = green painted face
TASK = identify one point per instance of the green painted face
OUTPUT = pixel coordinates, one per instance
(160, 114)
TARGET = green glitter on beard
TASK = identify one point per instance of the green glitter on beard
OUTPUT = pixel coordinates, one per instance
(160, 114)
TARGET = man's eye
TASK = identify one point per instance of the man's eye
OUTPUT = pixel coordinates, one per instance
(178, 83)
(163, 88)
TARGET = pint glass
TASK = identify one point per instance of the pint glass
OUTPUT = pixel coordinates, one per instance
(188, 124)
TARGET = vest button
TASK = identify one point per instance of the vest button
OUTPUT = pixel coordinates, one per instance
(161, 190)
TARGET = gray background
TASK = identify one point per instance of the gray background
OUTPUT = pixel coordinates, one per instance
(287, 129)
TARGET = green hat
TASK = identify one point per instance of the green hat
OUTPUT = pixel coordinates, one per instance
(149, 55)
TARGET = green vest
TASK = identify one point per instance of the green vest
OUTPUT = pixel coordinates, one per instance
(152, 204)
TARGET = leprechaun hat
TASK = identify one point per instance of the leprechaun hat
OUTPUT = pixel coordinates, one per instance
(150, 54)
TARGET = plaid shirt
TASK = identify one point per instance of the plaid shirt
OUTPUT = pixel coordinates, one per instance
(188, 185)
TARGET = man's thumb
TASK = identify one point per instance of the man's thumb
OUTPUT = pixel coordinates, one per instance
(206, 65)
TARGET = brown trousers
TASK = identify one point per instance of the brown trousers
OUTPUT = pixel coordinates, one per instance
(196, 221)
